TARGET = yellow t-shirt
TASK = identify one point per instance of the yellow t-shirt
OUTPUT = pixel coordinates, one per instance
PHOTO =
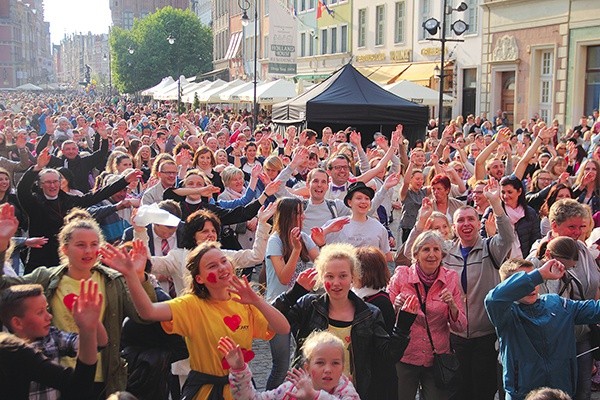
(63, 319)
(203, 322)
(343, 332)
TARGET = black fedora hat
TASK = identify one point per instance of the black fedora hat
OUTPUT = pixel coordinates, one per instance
(358, 187)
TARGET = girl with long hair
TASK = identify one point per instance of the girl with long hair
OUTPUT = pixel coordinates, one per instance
(217, 304)
(288, 252)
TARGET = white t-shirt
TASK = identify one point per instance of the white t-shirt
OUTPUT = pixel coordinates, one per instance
(359, 234)
(275, 248)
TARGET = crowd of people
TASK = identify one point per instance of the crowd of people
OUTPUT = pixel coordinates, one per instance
(133, 238)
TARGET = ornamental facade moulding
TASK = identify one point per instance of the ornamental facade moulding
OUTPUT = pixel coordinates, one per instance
(506, 49)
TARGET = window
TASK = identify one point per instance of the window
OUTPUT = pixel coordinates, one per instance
(592, 79)
(303, 44)
(470, 16)
(266, 7)
(333, 40)
(311, 4)
(323, 41)
(399, 25)
(425, 15)
(302, 5)
(379, 25)
(362, 27)
(344, 38)
(127, 20)
(311, 44)
(546, 68)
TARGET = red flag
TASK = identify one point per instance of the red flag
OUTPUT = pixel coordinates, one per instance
(319, 9)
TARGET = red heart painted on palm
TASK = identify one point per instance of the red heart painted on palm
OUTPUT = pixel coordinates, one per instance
(247, 354)
(347, 338)
(69, 300)
(233, 322)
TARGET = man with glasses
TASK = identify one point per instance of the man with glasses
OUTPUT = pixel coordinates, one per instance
(47, 209)
(167, 175)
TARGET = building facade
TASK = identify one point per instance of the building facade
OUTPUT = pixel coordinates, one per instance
(541, 64)
(75, 52)
(124, 12)
(25, 55)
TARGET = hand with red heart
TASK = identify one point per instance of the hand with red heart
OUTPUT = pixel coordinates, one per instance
(232, 352)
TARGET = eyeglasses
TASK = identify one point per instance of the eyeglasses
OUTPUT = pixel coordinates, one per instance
(340, 167)
(50, 182)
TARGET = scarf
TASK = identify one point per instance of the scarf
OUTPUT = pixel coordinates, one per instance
(427, 280)
(514, 214)
(232, 193)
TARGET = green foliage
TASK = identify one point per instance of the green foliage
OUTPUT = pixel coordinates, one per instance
(153, 57)
(196, 104)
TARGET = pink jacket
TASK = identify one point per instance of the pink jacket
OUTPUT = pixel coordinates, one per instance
(419, 351)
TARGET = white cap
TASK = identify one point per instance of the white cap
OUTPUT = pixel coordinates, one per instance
(151, 214)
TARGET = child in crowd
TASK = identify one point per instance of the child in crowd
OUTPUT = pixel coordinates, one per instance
(537, 341)
(24, 311)
(321, 378)
(218, 304)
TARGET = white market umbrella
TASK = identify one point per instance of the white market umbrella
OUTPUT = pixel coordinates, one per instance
(232, 95)
(29, 87)
(212, 95)
(417, 93)
(169, 92)
(188, 96)
(163, 83)
(270, 92)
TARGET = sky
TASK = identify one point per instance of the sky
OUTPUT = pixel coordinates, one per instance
(74, 16)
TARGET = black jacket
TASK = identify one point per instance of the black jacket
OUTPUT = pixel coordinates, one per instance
(369, 340)
(79, 166)
(46, 216)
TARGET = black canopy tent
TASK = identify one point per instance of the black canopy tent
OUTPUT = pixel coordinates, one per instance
(347, 98)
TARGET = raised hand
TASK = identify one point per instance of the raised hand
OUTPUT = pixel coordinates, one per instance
(21, 141)
(120, 260)
(36, 242)
(552, 269)
(296, 238)
(355, 138)
(503, 135)
(50, 127)
(245, 293)
(232, 352)
(447, 297)
(303, 384)
(307, 279)
(43, 159)
(88, 306)
(272, 187)
(209, 190)
(183, 157)
(133, 176)
(255, 172)
(266, 212)
(490, 225)
(411, 304)
(392, 180)
(8, 224)
(426, 208)
(492, 190)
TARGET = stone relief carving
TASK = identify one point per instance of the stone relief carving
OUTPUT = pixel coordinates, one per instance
(506, 49)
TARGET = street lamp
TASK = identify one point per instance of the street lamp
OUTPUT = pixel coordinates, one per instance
(458, 27)
(245, 6)
(171, 41)
(107, 58)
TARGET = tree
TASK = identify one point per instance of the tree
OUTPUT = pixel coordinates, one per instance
(196, 104)
(153, 56)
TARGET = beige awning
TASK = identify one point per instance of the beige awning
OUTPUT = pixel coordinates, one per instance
(390, 73)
